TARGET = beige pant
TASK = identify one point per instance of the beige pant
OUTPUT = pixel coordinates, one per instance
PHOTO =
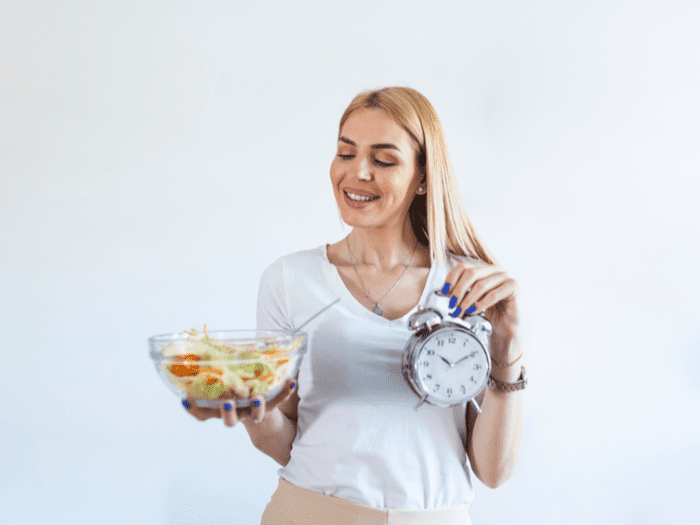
(292, 505)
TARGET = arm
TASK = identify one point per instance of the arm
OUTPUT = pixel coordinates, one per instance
(493, 437)
(275, 433)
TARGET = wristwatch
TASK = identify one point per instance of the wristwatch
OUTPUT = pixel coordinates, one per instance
(502, 386)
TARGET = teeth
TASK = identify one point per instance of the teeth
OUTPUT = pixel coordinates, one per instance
(359, 197)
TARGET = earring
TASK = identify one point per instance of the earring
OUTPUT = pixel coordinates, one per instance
(421, 189)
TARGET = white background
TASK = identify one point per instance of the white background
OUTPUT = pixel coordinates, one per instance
(156, 157)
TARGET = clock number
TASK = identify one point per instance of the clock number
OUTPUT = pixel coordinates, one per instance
(477, 366)
(437, 387)
(429, 376)
(452, 340)
(449, 391)
(464, 390)
(472, 379)
(426, 363)
(440, 342)
(431, 352)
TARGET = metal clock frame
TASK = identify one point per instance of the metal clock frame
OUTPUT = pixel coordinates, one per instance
(434, 325)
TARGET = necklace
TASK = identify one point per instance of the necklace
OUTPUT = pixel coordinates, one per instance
(377, 309)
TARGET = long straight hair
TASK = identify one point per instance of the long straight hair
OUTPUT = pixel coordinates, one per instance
(438, 218)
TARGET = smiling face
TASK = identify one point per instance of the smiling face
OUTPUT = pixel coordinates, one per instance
(376, 159)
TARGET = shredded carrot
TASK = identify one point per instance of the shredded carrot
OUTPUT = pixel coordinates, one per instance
(185, 370)
(205, 331)
(217, 371)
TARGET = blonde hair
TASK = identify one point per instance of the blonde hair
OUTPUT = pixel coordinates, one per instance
(438, 218)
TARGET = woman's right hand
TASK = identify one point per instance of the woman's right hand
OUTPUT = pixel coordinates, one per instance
(231, 414)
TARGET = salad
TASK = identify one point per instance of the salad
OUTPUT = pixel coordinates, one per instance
(208, 368)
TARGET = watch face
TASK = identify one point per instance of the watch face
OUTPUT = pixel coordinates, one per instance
(452, 365)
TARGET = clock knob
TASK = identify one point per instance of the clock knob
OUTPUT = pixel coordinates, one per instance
(485, 325)
(424, 318)
(479, 323)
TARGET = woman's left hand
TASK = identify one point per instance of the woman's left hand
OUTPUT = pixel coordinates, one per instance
(476, 287)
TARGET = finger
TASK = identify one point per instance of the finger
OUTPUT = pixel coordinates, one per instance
(257, 408)
(466, 280)
(506, 290)
(201, 413)
(455, 274)
(284, 394)
(478, 290)
(229, 413)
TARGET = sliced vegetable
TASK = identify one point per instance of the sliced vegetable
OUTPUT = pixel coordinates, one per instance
(190, 369)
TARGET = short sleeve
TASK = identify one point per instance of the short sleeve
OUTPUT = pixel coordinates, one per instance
(272, 313)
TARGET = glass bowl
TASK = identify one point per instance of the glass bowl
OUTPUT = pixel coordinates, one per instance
(227, 364)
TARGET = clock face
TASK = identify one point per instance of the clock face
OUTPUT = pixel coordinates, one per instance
(452, 365)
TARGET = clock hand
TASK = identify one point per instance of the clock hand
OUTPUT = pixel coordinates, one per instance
(450, 366)
(465, 357)
(446, 361)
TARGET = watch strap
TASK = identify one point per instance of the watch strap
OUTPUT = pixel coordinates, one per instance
(502, 386)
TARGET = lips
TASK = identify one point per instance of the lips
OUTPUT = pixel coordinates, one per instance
(358, 204)
(361, 193)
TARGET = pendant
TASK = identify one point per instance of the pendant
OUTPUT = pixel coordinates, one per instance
(378, 310)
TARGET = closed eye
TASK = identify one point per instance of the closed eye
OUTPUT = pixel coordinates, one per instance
(378, 162)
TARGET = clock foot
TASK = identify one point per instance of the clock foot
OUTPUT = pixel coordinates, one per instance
(476, 405)
(421, 402)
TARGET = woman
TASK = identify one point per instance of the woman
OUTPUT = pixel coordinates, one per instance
(352, 447)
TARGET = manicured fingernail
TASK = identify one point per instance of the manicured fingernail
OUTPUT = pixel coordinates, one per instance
(453, 301)
(186, 404)
(446, 289)
(471, 309)
(256, 402)
(456, 312)
(227, 407)
(294, 384)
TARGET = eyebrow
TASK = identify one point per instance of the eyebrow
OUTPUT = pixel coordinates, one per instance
(385, 145)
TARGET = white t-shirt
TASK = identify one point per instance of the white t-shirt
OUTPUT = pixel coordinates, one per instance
(358, 435)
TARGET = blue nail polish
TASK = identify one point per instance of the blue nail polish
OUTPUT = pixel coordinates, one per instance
(256, 403)
(456, 312)
(453, 301)
(294, 384)
(446, 289)
(186, 404)
(471, 309)
(227, 407)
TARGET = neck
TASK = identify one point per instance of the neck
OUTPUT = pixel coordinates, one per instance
(384, 249)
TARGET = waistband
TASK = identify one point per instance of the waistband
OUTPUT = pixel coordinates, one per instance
(293, 505)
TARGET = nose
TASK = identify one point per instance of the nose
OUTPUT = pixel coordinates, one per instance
(363, 169)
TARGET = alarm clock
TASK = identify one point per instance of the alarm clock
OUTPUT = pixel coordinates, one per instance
(446, 360)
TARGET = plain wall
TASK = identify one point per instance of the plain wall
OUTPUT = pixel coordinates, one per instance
(156, 157)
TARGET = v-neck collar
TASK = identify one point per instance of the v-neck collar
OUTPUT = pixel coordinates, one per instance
(334, 276)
